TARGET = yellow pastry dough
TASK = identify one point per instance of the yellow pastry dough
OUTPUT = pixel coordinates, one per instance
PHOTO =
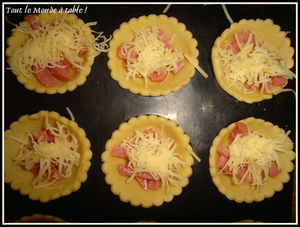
(275, 40)
(133, 192)
(182, 39)
(21, 179)
(40, 218)
(78, 76)
(243, 193)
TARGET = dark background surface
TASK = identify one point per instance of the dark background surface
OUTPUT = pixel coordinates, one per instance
(201, 108)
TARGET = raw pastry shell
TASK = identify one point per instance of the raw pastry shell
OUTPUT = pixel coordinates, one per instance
(182, 38)
(240, 193)
(40, 218)
(267, 31)
(77, 77)
(21, 179)
(132, 192)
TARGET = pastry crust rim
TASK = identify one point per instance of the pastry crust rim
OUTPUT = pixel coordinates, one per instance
(114, 62)
(256, 25)
(63, 87)
(63, 187)
(142, 121)
(277, 182)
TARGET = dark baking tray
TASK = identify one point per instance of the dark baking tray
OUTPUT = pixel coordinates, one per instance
(202, 108)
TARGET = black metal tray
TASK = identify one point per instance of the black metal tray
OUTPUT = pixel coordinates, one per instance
(202, 108)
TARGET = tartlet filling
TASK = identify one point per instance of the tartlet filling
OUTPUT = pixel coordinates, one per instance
(150, 159)
(248, 64)
(50, 154)
(250, 157)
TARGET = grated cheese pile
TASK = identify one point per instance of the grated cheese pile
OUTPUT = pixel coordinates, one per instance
(152, 55)
(51, 43)
(257, 152)
(253, 65)
(155, 155)
(62, 153)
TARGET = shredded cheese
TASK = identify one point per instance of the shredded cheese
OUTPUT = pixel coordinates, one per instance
(256, 152)
(70, 113)
(55, 160)
(148, 152)
(189, 148)
(193, 63)
(50, 43)
(227, 14)
(167, 8)
(152, 55)
(253, 65)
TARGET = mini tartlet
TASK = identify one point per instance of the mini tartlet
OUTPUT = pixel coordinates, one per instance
(242, 192)
(22, 179)
(132, 191)
(77, 75)
(182, 39)
(273, 38)
(40, 218)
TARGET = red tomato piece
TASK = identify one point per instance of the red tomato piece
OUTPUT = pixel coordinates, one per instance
(240, 128)
(62, 73)
(221, 161)
(50, 137)
(124, 170)
(232, 136)
(223, 151)
(269, 84)
(241, 171)
(134, 55)
(44, 77)
(46, 135)
(248, 179)
(123, 55)
(148, 176)
(273, 170)
(35, 135)
(227, 171)
(69, 138)
(35, 169)
(66, 63)
(243, 38)
(150, 131)
(163, 37)
(52, 172)
(83, 50)
(154, 184)
(249, 87)
(32, 21)
(179, 67)
(118, 151)
(276, 81)
(234, 46)
(143, 182)
(158, 77)
(54, 169)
